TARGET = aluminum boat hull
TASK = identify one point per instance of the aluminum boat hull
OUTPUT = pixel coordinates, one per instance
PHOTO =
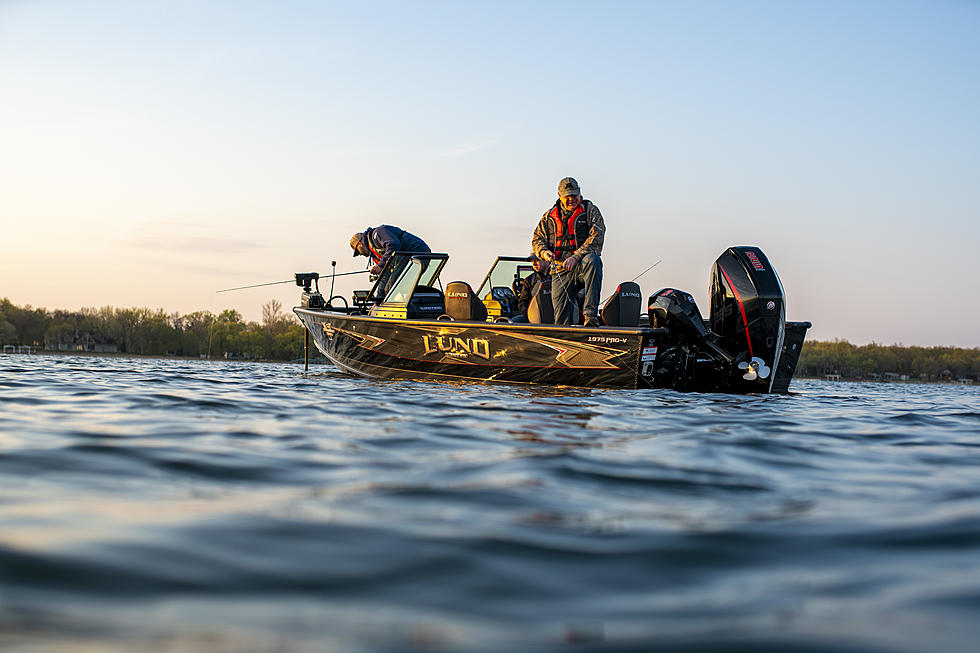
(481, 351)
(607, 357)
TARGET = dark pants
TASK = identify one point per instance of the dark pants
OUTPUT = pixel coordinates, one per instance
(588, 273)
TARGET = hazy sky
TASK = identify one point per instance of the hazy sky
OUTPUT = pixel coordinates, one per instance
(153, 152)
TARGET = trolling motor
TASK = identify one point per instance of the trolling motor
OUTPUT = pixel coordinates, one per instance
(311, 289)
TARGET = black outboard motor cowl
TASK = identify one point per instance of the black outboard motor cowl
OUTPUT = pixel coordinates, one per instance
(676, 310)
(748, 312)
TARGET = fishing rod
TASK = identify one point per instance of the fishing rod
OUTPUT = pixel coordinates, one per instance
(274, 283)
(556, 270)
(634, 279)
(647, 270)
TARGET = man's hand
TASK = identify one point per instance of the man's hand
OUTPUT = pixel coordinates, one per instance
(376, 270)
(570, 263)
(547, 256)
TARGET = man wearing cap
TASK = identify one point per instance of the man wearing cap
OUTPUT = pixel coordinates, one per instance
(571, 234)
(379, 243)
(540, 275)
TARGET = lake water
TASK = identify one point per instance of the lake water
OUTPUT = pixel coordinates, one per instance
(167, 505)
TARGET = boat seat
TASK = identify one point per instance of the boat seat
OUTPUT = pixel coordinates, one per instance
(541, 310)
(463, 304)
(623, 308)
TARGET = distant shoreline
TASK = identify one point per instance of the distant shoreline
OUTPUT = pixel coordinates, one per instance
(797, 377)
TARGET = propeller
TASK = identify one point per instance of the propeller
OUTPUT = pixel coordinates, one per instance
(756, 368)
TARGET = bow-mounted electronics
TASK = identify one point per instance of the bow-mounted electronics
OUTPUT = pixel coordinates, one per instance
(309, 281)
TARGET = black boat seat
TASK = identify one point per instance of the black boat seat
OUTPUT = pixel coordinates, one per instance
(623, 308)
(541, 310)
(463, 304)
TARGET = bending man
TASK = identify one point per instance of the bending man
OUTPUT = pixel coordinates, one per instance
(571, 234)
(379, 243)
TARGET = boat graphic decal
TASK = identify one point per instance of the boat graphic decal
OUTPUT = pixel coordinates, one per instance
(363, 340)
(370, 342)
(575, 354)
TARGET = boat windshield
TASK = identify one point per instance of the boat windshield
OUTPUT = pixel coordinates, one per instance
(420, 271)
(506, 271)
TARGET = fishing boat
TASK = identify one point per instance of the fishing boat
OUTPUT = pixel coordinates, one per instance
(410, 326)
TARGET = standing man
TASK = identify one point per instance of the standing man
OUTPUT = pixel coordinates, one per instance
(379, 243)
(570, 235)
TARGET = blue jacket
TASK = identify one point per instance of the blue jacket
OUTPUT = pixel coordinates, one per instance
(385, 240)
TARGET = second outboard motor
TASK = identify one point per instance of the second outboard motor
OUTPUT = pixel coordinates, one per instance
(676, 310)
(748, 312)
(691, 360)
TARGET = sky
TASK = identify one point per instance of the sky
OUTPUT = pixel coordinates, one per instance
(154, 152)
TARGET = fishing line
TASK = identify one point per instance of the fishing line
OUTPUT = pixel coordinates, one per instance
(273, 283)
(557, 271)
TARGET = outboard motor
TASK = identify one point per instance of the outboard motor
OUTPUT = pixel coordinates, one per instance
(677, 311)
(748, 314)
(692, 360)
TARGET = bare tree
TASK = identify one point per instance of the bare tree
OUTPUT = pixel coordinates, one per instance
(273, 318)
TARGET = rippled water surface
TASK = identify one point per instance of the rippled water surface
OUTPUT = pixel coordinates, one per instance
(164, 505)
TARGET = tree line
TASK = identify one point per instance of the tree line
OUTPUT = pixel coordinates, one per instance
(882, 361)
(147, 331)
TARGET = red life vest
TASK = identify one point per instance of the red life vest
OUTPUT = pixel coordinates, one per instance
(571, 232)
(375, 254)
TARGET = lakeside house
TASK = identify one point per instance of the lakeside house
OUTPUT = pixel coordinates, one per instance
(19, 349)
(894, 376)
(99, 347)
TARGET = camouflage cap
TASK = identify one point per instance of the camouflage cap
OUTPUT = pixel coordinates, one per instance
(568, 186)
(355, 242)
